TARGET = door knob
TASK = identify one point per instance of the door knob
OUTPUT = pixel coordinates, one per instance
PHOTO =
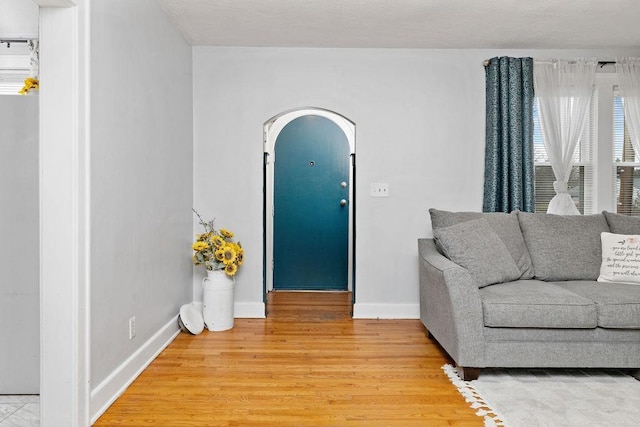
(343, 202)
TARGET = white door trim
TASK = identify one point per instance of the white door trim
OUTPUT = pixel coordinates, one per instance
(272, 129)
(64, 215)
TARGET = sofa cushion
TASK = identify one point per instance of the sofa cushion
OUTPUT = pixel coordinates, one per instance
(618, 304)
(536, 304)
(620, 258)
(563, 247)
(622, 224)
(475, 246)
(505, 225)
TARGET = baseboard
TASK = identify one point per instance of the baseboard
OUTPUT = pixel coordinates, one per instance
(105, 393)
(386, 311)
(249, 310)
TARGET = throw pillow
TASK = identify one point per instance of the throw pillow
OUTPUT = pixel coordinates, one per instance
(622, 224)
(475, 246)
(505, 225)
(620, 258)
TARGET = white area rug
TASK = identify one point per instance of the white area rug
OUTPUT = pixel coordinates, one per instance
(552, 397)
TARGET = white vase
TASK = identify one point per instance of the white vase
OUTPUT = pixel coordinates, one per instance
(217, 300)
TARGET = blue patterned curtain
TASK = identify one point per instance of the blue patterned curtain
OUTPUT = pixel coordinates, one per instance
(508, 174)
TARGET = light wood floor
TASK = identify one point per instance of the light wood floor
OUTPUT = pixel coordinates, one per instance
(307, 364)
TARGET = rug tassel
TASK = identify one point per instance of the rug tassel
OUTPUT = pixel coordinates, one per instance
(473, 397)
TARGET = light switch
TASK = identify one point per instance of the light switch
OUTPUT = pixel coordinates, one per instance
(379, 189)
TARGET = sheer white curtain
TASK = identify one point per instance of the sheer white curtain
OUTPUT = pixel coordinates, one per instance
(628, 71)
(563, 90)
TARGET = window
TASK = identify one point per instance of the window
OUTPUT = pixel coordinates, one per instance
(606, 172)
(626, 164)
(582, 174)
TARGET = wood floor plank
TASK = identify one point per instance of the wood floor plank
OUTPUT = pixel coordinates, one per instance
(307, 364)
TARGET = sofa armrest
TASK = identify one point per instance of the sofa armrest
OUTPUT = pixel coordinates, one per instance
(450, 306)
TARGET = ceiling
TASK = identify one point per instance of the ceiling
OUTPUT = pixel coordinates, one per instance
(495, 24)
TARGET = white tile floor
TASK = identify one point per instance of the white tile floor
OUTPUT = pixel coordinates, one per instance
(19, 411)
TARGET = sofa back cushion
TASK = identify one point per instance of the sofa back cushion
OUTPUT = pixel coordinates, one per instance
(564, 247)
(505, 225)
(622, 224)
(475, 246)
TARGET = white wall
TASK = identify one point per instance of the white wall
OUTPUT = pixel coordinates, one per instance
(19, 246)
(420, 126)
(18, 19)
(141, 184)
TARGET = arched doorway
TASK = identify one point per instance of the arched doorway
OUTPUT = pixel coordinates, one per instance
(309, 175)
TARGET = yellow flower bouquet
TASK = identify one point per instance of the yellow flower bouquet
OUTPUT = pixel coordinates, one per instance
(216, 249)
(30, 83)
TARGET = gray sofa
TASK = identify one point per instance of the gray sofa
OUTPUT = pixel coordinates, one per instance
(521, 290)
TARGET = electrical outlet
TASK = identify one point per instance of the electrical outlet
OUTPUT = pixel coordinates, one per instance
(132, 327)
(379, 189)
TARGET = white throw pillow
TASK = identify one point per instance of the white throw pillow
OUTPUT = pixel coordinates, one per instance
(620, 258)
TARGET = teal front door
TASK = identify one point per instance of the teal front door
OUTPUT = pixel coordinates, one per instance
(311, 206)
